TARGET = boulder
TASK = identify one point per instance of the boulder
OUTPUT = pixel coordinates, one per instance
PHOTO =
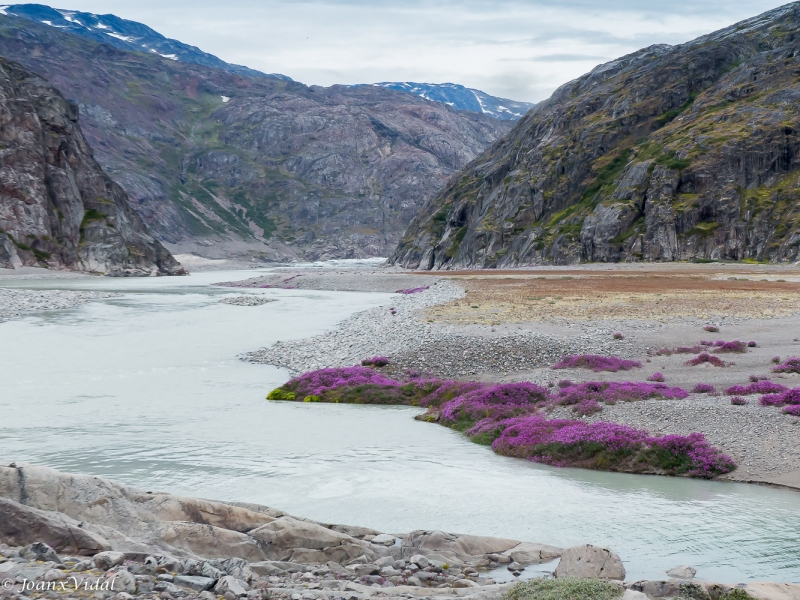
(634, 595)
(420, 561)
(590, 562)
(40, 551)
(773, 591)
(122, 581)
(682, 572)
(527, 553)
(230, 584)
(384, 539)
(106, 560)
(194, 582)
(21, 525)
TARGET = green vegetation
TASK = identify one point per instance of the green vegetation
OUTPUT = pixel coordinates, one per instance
(674, 112)
(607, 175)
(703, 229)
(565, 588)
(90, 216)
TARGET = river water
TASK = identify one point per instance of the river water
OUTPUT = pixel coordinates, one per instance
(146, 389)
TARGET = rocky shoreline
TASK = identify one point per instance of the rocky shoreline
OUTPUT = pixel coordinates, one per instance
(17, 303)
(81, 536)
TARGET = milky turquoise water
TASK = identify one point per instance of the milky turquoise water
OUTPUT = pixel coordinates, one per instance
(146, 389)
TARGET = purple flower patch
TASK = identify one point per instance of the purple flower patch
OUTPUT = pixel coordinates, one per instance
(610, 392)
(596, 363)
(792, 365)
(756, 387)
(704, 388)
(705, 357)
(738, 401)
(657, 376)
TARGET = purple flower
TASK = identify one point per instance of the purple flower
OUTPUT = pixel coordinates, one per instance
(657, 376)
(734, 346)
(738, 401)
(756, 387)
(791, 397)
(705, 357)
(792, 365)
(596, 363)
(704, 388)
(415, 290)
(792, 410)
(711, 328)
(581, 395)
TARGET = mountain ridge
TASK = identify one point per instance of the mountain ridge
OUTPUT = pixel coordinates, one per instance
(669, 153)
(126, 35)
(463, 98)
(225, 165)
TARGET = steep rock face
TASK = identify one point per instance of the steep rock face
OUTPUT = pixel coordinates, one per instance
(221, 164)
(670, 153)
(57, 207)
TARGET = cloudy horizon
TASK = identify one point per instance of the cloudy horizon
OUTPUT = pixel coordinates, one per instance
(518, 49)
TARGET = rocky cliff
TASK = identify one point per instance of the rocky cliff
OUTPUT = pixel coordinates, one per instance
(670, 153)
(223, 164)
(57, 207)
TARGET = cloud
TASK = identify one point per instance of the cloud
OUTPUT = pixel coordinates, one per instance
(519, 49)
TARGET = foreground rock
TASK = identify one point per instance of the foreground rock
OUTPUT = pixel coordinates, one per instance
(57, 206)
(80, 536)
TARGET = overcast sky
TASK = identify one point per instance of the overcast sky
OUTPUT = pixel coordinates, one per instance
(519, 49)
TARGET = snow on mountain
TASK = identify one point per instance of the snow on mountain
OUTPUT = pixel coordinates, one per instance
(463, 98)
(126, 35)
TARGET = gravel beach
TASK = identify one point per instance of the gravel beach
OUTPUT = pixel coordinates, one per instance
(18, 303)
(433, 332)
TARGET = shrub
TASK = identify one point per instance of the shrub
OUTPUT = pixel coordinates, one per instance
(791, 397)
(494, 402)
(619, 336)
(734, 346)
(596, 363)
(751, 344)
(705, 357)
(755, 378)
(791, 365)
(375, 361)
(564, 383)
(564, 588)
(657, 376)
(756, 387)
(738, 401)
(711, 328)
(776, 359)
(792, 410)
(608, 446)
(704, 388)
(587, 396)
(415, 290)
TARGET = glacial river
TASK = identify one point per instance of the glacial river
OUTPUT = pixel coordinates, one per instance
(146, 389)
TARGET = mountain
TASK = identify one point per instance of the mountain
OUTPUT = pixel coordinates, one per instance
(669, 153)
(57, 207)
(227, 165)
(463, 98)
(125, 35)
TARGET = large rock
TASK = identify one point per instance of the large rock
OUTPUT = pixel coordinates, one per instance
(468, 548)
(590, 562)
(57, 206)
(21, 525)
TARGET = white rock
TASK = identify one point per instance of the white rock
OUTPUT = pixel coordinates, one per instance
(590, 562)
(385, 539)
(122, 581)
(232, 585)
(682, 572)
(634, 595)
(54, 575)
(420, 561)
(105, 560)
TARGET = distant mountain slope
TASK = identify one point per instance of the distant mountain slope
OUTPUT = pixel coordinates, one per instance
(462, 98)
(669, 153)
(57, 207)
(125, 35)
(223, 164)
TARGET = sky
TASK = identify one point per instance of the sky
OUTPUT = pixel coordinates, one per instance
(518, 49)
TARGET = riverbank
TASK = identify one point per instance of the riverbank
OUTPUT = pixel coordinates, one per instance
(93, 538)
(512, 326)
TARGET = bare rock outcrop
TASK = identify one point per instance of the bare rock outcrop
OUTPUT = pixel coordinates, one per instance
(57, 206)
(669, 153)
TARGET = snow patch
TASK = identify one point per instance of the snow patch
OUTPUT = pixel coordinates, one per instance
(101, 26)
(68, 16)
(124, 38)
(170, 56)
(3, 10)
(225, 99)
